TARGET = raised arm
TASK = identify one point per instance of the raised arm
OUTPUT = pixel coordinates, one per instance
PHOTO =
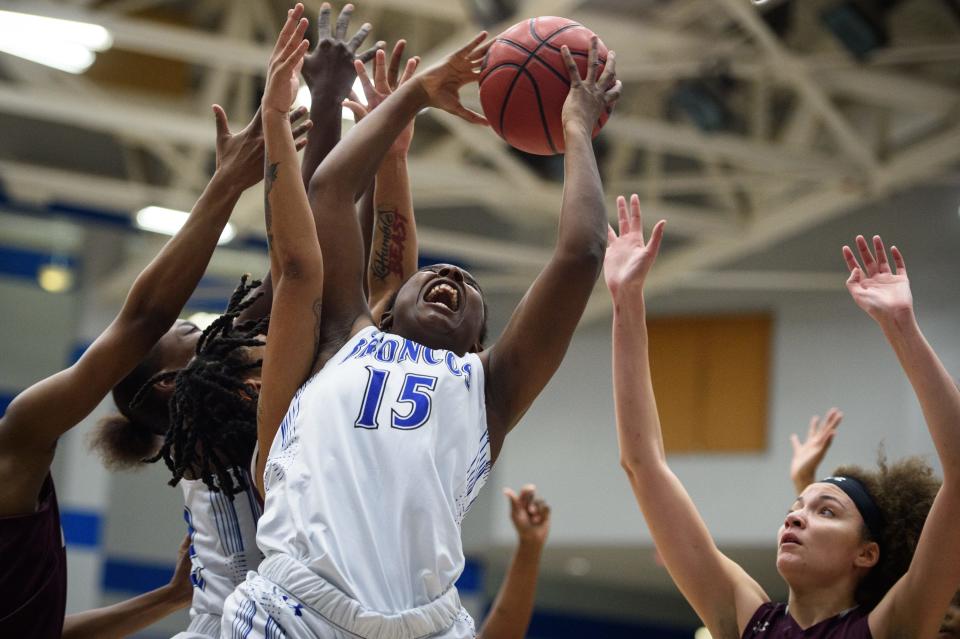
(915, 605)
(41, 414)
(509, 617)
(295, 257)
(353, 163)
(249, 143)
(127, 617)
(329, 74)
(808, 454)
(392, 242)
(536, 338)
(721, 593)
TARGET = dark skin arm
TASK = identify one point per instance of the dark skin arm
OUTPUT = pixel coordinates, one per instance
(351, 166)
(130, 616)
(36, 419)
(535, 340)
(295, 255)
(510, 614)
(390, 240)
(328, 72)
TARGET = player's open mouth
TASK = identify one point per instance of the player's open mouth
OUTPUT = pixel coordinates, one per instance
(443, 293)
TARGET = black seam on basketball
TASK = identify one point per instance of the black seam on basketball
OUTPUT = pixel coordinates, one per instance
(565, 79)
(532, 54)
(492, 69)
(543, 116)
(536, 36)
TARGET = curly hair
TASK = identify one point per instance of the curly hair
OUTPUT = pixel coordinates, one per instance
(213, 410)
(904, 492)
(124, 440)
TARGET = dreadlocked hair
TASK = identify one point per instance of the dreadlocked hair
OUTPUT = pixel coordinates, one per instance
(904, 491)
(213, 410)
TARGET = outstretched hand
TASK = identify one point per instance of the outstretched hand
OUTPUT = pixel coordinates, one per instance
(329, 67)
(240, 155)
(629, 258)
(442, 81)
(285, 62)
(808, 455)
(530, 514)
(591, 95)
(385, 81)
(875, 288)
(180, 583)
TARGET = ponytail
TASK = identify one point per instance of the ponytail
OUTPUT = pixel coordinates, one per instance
(123, 444)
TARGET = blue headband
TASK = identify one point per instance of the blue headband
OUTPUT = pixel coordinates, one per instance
(861, 498)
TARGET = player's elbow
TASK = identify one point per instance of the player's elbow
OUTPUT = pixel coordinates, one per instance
(585, 255)
(326, 183)
(300, 266)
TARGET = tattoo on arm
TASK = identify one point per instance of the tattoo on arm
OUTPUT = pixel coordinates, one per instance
(269, 177)
(388, 256)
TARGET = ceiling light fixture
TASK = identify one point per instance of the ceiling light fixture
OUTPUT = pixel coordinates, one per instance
(168, 221)
(62, 44)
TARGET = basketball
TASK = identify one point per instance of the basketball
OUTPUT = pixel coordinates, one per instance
(524, 81)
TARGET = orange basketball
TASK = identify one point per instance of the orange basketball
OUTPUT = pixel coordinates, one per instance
(524, 81)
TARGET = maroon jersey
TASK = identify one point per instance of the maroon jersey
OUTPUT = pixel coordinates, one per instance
(33, 571)
(771, 621)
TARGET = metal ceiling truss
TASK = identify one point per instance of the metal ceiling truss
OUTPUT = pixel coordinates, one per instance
(819, 133)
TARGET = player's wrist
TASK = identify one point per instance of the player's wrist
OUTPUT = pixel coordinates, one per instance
(575, 127)
(531, 543)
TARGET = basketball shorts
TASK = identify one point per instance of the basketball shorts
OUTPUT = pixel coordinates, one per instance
(202, 626)
(308, 607)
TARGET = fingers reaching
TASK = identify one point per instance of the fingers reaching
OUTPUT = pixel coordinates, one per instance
(882, 265)
(656, 237)
(343, 22)
(359, 37)
(572, 69)
(623, 218)
(220, 117)
(323, 22)
(593, 60)
(302, 129)
(293, 21)
(365, 83)
(410, 69)
(898, 260)
(609, 76)
(476, 56)
(393, 72)
(369, 54)
(380, 72)
(359, 111)
(636, 219)
(469, 48)
(470, 116)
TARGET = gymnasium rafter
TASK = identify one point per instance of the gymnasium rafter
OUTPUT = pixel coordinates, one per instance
(816, 131)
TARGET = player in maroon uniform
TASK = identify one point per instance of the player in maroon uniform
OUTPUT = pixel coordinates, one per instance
(33, 574)
(844, 547)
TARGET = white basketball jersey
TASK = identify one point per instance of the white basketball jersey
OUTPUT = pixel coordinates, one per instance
(376, 463)
(222, 541)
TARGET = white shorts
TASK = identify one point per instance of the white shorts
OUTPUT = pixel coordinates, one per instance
(202, 626)
(307, 607)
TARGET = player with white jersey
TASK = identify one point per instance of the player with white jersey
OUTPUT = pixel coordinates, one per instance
(346, 503)
(379, 437)
(223, 548)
